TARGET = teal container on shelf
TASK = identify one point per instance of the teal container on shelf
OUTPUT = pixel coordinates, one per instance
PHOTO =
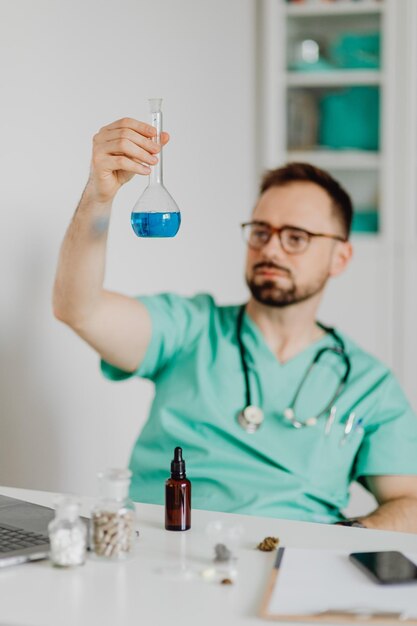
(356, 51)
(350, 119)
(365, 221)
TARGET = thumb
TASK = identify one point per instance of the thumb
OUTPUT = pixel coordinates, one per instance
(165, 138)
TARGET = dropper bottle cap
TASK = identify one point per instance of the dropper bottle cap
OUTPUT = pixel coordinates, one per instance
(178, 465)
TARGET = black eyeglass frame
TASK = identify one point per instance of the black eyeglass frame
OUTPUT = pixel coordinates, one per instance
(278, 231)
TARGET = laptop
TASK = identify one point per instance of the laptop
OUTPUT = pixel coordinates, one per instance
(23, 531)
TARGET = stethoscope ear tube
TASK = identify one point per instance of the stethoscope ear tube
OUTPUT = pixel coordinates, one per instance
(252, 417)
(242, 352)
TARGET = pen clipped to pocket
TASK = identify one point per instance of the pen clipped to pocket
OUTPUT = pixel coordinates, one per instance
(353, 425)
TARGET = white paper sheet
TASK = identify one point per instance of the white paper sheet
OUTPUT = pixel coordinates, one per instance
(312, 581)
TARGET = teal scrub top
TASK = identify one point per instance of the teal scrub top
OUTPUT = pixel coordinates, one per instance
(278, 471)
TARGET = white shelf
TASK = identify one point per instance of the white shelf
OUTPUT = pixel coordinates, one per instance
(338, 8)
(334, 78)
(337, 159)
(388, 179)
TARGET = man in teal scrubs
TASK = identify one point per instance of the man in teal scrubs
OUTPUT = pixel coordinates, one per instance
(293, 465)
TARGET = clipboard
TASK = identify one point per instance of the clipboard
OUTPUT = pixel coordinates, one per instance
(322, 586)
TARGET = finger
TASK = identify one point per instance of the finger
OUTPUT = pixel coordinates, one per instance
(125, 147)
(128, 122)
(117, 134)
(120, 162)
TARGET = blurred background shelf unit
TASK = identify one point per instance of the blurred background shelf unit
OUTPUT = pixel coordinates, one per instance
(337, 88)
(328, 68)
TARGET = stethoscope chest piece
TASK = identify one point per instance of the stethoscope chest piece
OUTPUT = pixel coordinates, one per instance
(250, 418)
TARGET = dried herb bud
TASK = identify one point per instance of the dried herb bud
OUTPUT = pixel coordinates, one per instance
(268, 544)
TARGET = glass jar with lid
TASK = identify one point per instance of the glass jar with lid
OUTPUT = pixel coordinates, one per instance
(113, 518)
(67, 534)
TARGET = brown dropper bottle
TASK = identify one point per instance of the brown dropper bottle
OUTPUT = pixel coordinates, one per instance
(178, 496)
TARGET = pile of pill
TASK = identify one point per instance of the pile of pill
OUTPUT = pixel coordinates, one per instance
(112, 535)
(68, 546)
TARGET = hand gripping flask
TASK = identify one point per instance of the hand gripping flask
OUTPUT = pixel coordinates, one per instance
(156, 213)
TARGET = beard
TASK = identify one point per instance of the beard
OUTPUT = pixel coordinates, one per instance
(267, 291)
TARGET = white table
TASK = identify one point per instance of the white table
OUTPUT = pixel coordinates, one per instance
(135, 593)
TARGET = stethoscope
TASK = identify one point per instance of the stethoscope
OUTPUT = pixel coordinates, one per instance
(252, 416)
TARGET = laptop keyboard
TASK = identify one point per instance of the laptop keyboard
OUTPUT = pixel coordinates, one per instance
(16, 538)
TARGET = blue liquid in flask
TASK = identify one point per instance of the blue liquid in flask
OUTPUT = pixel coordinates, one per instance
(156, 224)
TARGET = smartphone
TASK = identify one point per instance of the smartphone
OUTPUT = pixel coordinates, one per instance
(386, 568)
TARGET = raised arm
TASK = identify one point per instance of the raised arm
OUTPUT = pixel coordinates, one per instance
(116, 326)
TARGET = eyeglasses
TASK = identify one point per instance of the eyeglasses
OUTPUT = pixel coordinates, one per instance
(292, 239)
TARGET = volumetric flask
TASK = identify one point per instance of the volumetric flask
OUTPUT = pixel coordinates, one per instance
(156, 213)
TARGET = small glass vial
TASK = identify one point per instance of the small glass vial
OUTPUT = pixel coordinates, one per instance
(67, 534)
(113, 518)
(178, 495)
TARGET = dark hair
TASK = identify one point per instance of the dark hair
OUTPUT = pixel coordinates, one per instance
(299, 172)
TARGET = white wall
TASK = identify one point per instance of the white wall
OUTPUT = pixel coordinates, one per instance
(68, 68)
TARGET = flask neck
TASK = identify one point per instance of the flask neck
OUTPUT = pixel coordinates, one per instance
(155, 177)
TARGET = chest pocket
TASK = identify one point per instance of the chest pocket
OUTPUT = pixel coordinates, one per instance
(335, 458)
